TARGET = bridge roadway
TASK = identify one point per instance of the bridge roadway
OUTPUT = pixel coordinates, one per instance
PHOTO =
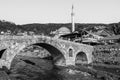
(10, 46)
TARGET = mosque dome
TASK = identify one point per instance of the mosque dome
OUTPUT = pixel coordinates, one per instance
(61, 31)
(64, 30)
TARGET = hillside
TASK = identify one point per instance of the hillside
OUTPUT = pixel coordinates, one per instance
(38, 28)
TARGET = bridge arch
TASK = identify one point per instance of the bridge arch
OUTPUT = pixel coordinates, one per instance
(81, 58)
(57, 56)
(51, 49)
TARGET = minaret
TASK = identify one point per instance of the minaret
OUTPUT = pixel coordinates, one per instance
(72, 19)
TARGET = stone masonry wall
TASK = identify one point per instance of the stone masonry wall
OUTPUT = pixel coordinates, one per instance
(107, 54)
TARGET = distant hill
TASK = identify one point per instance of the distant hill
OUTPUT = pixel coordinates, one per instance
(47, 28)
(44, 28)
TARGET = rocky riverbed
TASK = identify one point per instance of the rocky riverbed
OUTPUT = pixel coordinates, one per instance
(31, 68)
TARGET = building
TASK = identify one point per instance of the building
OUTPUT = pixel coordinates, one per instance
(110, 40)
(104, 33)
(61, 31)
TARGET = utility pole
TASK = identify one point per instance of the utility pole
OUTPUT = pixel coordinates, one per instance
(72, 19)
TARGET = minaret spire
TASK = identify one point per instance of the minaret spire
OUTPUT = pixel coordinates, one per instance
(72, 19)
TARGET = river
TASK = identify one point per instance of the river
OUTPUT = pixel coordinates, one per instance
(31, 68)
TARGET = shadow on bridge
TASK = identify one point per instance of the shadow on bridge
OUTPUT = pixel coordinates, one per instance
(56, 54)
(2, 54)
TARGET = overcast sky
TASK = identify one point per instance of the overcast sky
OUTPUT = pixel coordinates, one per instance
(59, 11)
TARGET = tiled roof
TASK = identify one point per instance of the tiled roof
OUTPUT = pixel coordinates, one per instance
(104, 32)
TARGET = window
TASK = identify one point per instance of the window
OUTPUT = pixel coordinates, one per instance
(70, 53)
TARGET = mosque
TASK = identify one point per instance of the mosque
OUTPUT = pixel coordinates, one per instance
(72, 35)
(64, 30)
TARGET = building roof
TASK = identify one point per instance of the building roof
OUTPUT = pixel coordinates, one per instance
(112, 37)
(72, 35)
(104, 33)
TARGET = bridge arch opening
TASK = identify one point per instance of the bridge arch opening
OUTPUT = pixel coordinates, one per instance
(2, 54)
(56, 55)
(81, 58)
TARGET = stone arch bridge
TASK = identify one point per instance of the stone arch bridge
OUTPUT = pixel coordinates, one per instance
(10, 46)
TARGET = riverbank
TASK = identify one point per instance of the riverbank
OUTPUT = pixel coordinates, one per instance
(30, 68)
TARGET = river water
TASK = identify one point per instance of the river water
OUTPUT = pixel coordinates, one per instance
(29, 68)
